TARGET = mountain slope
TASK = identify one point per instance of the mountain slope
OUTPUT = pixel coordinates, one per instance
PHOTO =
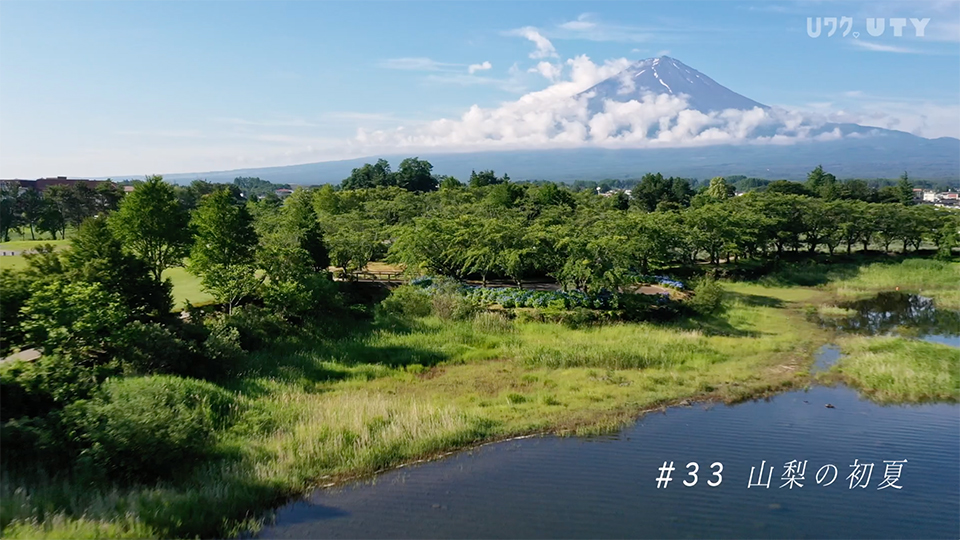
(670, 76)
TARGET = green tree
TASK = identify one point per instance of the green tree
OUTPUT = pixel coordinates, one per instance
(153, 224)
(486, 178)
(429, 244)
(78, 320)
(9, 217)
(719, 189)
(96, 256)
(905, 190)
(416, 175)
(449, 182)
(822, 184)
(353, 240)
(30, 207)
(223, 249)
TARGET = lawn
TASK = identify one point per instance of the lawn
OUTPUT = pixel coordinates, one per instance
(186, 287)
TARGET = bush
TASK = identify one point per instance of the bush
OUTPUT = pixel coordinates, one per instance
(306, 298)
(408, 301)
(144, 428)
(492, 323)
(52, 381)
(707, 297)
(30, 444)
(22, 392)
(16, 292)
(257, 327)
(453, 307)
(152, 348)
(647, 307)
(221, 349)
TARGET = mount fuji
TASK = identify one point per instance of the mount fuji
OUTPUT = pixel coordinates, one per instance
(669, 76)
(661, 99)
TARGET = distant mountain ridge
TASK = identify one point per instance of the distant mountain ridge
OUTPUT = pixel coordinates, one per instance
(880, 157)
(846, 150)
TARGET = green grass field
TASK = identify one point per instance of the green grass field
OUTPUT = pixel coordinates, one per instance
(186, 287)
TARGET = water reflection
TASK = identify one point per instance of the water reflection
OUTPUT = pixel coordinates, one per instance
(909, 315)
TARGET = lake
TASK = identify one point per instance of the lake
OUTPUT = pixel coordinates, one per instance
(606, 487)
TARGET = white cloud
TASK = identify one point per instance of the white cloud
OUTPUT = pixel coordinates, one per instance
(582, 23)
(416, 64)
(551, 72)
(545, 48)
(879, 47)
(919, 117)
(586, 27)
(558, 116)
(473, 68)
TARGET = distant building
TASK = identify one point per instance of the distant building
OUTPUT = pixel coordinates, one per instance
(929, 195)
(283, 192)
(129, 189)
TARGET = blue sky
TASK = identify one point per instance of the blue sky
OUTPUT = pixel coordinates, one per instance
(118, 88)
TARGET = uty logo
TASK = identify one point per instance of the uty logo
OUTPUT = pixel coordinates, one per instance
(876, 27)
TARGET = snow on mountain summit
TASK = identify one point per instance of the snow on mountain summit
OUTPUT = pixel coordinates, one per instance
(666, 75)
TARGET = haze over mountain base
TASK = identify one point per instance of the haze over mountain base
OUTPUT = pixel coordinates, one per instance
(885, 155)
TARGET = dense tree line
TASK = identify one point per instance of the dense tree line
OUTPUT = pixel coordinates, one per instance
(497, 228)
(27, 210)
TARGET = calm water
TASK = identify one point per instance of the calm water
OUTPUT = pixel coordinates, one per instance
(554, 487)
(606, 487)
(900, 313)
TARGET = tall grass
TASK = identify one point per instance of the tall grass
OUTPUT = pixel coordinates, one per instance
(893, 369)
(620, 346)
(937, 279)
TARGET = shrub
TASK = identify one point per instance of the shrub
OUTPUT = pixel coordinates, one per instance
(52, 381)
(22, 392)
(306, 298)
(257, 327)
(492, 323)
(152, 348)
(408, 301)
(452, 306)
(707, 297)
(30, 444)
(143, 428)
(221, 349)
(16, 292)
(579, 317)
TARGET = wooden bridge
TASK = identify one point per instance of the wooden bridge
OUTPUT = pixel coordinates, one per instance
(374, 275)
